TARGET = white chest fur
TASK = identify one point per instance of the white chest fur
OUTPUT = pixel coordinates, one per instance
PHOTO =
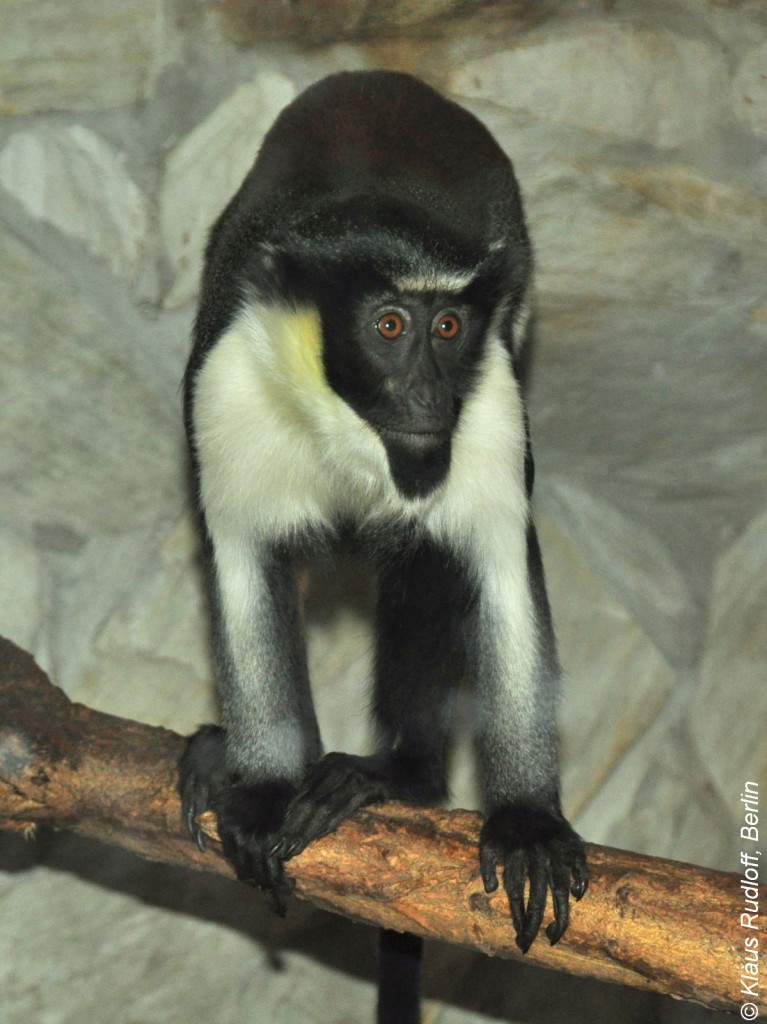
(280, 451)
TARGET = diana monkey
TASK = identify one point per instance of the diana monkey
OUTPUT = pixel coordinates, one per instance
(355, 379)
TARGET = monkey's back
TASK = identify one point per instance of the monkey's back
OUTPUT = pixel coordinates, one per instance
(379, 135)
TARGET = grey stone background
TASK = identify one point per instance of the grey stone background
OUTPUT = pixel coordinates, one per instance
(639, 134)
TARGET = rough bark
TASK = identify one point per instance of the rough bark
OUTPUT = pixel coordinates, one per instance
(646, 922)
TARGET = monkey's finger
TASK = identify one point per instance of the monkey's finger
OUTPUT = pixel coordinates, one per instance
(256, 868)
(489, 856)
(581, 878)
(242, 862)
(314, 815)
(190, 815)
(199, 837)
(274, 884)
(514, 875)
(560, 884)
(536, 902)
(194, 807)
(302, 821)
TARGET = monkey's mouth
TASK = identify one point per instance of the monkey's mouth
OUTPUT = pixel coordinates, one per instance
(418, 433)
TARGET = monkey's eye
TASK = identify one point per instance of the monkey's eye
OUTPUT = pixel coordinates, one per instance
(390, 325)
(446, 325)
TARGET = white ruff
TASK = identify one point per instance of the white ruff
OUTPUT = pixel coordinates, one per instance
(279, 451)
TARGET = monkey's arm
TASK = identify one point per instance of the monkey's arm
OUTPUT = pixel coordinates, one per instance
(517, 676)
(249, 771)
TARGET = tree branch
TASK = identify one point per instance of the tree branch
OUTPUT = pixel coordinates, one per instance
(646, 922)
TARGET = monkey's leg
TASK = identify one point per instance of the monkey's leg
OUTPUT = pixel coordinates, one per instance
(249, 770)
(422, 603)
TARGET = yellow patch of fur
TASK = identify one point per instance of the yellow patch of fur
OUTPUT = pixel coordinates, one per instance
(298, 347)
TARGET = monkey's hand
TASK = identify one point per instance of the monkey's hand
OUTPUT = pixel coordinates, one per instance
(248, 815)
(340, 784)
(333, 790)
(536, 844)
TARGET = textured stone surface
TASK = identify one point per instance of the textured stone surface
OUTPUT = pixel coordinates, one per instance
(616, 682)
(206, 168)
(205, 961)
(749, 90)
(22, 583)
(638, 135)
(151, 657)
(629, 82)
(630, 558)
(73, 179)
(82, 55)
(76, 407)
(729, 712)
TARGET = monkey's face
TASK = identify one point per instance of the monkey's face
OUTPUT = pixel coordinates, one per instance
(404, 361)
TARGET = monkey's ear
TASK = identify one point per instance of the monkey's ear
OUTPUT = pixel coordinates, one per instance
(269, 270)
(269, 261)
(269, 257)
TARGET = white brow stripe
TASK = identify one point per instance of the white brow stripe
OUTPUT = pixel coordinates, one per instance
(437, 281)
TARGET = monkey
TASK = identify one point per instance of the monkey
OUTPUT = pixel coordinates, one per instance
(355, 380)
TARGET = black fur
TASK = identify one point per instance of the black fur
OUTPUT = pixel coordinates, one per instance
(366, 181)
(399, 978)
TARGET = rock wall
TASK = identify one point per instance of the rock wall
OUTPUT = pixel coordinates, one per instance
(639, 134)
